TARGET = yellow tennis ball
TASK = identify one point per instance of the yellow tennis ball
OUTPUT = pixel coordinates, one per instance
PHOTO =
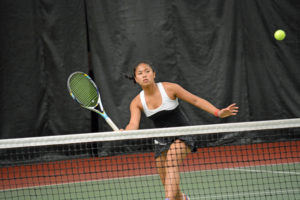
(279, 35)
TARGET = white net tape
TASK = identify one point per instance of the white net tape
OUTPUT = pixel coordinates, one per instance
(149, 133)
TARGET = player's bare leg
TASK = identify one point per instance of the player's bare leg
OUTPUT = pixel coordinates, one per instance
(168, 168)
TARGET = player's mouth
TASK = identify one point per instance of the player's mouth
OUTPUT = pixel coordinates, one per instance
(145, 80)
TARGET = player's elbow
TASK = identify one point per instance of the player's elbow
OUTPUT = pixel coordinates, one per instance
(199, 102)
(196, 101)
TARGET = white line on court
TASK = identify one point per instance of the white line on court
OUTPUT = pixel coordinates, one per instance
(264, 171)
(277, 192)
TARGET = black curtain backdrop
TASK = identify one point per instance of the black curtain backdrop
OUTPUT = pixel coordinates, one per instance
(222, 50)
(42, 42)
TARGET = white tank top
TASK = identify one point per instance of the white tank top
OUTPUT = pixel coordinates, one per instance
(167, 103)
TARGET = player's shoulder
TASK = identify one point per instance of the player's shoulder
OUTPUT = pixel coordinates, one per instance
(170, 85)
(171, 89)
(136, 101)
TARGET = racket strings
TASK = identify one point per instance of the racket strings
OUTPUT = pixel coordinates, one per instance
(83, 90)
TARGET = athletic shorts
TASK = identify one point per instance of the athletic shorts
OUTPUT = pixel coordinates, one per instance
(163, 144)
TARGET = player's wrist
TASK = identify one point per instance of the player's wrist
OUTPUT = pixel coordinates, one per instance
(217, 113)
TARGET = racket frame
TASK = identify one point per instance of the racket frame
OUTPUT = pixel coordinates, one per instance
(101, 110)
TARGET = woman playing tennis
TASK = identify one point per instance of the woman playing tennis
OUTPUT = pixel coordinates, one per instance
(159, 102)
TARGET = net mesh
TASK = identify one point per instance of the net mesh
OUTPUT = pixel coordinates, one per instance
(253, 160)
(83, 89)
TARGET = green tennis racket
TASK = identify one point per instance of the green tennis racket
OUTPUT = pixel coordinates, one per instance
(83, 90)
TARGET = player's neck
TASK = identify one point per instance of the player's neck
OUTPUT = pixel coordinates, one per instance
(150, 89)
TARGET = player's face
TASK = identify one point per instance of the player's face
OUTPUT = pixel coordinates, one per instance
(144, 74)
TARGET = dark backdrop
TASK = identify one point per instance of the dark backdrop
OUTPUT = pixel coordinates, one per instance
(221, 50)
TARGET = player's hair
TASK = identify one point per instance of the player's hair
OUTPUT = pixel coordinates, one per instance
(132, 76)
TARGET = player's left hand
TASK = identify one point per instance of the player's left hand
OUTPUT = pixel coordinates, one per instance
(229, 111)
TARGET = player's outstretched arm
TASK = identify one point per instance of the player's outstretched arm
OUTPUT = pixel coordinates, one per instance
(135, 115)
(201, 103)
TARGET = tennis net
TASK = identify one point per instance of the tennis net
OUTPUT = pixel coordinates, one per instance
(249, 160)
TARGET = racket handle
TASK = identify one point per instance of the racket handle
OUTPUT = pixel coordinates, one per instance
(112, 124)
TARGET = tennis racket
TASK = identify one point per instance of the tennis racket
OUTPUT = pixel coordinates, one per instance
(83, 90)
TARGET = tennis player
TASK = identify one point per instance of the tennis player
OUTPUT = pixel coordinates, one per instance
(159, 102)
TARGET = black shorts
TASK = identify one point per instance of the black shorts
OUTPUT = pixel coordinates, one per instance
(163, 144)
(171, 118)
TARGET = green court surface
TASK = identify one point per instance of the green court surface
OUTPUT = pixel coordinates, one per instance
(257, 182)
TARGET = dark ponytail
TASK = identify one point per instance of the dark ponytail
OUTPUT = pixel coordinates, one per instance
(130, 77)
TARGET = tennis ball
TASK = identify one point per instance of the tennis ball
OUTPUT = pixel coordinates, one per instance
(279, 35)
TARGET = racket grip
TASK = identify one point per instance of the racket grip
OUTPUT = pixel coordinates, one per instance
(112, 124)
